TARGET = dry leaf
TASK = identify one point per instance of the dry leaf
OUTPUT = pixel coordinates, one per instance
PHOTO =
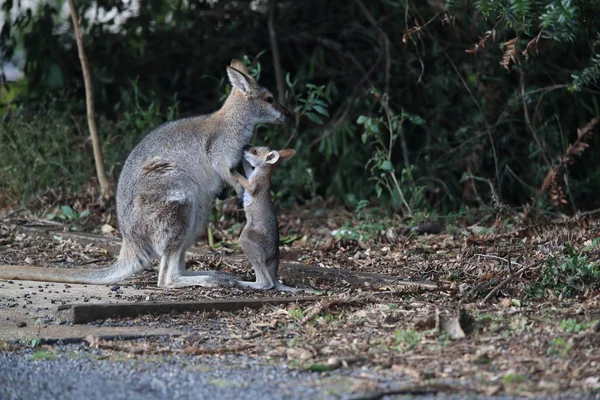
(106, 229)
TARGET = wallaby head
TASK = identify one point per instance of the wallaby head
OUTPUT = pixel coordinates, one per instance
(260, 156)
(261, 104)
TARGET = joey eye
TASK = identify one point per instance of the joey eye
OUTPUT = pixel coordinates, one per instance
(255, 152)
(269, 100)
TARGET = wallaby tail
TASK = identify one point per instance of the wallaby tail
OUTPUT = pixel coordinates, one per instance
(126, 265)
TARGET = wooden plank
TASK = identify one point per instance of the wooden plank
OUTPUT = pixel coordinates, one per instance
(84, 313)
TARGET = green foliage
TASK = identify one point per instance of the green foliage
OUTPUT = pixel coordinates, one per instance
(296, 313)
(369, 224)
(382, 134)
(589, 75)
(45, 147)
(406, 340)
(476, 118)
(572, 276)
(43, 355)
(558, 347)
(514, 379)
(572, 326)
(37, 152)
(560, 18)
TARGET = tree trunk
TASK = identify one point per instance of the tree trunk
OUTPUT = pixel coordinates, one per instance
(105, 186)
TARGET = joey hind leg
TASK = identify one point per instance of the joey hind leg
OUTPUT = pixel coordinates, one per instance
(263, 264)
(265, 267)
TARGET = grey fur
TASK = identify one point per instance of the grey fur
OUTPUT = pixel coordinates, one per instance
(169, 181)
(260, 237)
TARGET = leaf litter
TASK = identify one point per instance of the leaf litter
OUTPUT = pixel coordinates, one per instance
(515, 309)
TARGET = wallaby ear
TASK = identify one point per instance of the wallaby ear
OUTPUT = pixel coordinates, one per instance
(237, 64)
(286, 154)
(272, 157)
(238, 80)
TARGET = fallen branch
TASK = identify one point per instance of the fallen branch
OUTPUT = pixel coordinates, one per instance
(512, 276)
(325, 304)
(415, 390)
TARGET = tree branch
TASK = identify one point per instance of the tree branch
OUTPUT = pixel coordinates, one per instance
(105, 187)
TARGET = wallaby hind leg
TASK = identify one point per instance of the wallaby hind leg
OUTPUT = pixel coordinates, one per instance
(175, 227)
(172, 273)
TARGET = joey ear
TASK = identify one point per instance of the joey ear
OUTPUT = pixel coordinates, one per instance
(238, 80)
(272, 157)
(239, 65)
(286, 154)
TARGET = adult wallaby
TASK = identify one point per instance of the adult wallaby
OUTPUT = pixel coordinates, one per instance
(167, 185)
(260, 237)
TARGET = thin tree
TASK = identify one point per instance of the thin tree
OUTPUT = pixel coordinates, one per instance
(275, 51)
(105, 187)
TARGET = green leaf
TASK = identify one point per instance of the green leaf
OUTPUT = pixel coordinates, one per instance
(361, 120)
(319, 367)
(416, 120)
(68, 211)
(84, 213)
(321, 110)
(364, 137)
(386, 166)
(314, 118)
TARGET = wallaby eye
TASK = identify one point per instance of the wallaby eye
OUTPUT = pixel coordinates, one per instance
(269, 100)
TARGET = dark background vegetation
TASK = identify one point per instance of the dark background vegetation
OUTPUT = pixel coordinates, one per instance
(482, 98)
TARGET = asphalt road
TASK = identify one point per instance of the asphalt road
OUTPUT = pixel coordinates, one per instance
(76, 372)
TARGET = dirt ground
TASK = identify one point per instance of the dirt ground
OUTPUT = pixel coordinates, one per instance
(500, 308)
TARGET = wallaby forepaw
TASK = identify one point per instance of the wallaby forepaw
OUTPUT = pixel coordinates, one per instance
(240, 202)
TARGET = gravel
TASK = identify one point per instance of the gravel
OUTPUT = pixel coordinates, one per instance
(77, 372)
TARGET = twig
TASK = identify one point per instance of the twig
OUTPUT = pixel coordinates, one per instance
(386, 42)
(12, 213)
(512, 276)
(324, 304)
(528, 120)
(197, 351)
(508, 261)
(393, 176)
(479, 107)
(510, 171)
(275, 50)
(414, 389)
(588, 213)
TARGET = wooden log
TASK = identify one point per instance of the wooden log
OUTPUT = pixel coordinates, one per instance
(84, 313)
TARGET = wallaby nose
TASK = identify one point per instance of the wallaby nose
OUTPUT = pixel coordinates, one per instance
(287, 115)
(246, 147)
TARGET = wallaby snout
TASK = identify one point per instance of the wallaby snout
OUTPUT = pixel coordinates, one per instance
(285, 113)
